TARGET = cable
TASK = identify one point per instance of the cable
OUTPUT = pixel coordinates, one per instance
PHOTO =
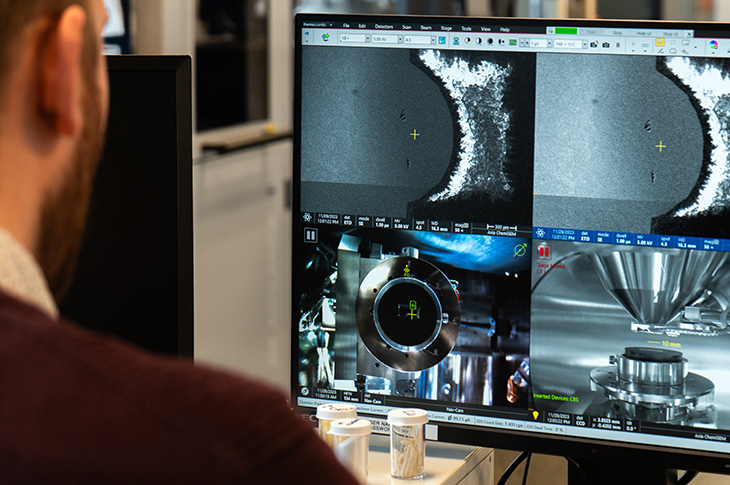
(687, 477)
(512, 466)
(577, 466)
(527, 468)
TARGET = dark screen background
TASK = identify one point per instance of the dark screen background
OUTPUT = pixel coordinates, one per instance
(134, 273)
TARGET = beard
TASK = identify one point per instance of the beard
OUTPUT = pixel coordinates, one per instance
(64, 212)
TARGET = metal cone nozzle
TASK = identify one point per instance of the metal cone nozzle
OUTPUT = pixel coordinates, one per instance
(655, 285)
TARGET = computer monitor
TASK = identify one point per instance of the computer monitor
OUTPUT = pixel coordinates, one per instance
(134, 277)
(521, 226)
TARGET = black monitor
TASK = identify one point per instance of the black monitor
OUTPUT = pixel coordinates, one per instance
(521, 226)
(134, 277)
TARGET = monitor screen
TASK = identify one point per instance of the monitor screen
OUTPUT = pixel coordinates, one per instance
(134, 277)
(521, 226)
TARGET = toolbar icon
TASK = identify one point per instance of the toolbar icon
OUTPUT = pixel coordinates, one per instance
(520, 250)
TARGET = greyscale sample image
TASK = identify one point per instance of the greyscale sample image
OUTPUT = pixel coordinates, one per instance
(632, 143)
(633, 333)
(416, 314)
(418, 133)
(706, 210)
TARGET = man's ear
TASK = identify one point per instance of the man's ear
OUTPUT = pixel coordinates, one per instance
(61, 72)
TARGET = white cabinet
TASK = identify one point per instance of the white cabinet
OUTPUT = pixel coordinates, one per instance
(242, 261)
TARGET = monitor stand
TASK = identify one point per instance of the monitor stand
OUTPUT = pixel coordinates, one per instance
(602, 472)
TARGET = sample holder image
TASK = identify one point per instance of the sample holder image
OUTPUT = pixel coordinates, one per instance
(631, 332)
(416, 314)
(642, 147)
(418, 133)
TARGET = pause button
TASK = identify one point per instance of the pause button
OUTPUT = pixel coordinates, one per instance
(544, 251)
(311, 235)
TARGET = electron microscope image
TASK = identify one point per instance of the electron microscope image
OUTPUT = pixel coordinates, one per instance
(616, 142)
(632, 143)
(706, 210)
(491, 98)
(418, 134)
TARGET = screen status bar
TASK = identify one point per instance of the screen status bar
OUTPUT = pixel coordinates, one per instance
(311, 221)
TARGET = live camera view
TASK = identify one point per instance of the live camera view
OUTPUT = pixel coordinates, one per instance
(416, 314)
(628, 332)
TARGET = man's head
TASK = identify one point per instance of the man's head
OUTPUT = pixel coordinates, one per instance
(53, 106)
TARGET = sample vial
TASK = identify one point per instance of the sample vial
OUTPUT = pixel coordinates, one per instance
(326, 413)
(407, 449)
(350, 442)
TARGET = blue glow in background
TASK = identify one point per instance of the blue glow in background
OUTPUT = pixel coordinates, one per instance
(487, 254)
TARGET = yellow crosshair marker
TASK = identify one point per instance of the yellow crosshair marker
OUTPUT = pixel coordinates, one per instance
(414, 134)
(660, 146)
(413, 305)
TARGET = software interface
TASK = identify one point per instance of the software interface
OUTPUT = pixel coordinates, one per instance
(517, 228)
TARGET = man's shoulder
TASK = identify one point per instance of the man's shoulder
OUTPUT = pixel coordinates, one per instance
(30, 341)
(68, 392)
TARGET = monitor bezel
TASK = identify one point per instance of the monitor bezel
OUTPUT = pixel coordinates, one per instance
(181, 65)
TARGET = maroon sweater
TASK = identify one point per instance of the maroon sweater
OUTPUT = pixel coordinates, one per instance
(79, 408)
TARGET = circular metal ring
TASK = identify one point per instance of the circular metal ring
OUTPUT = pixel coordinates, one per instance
(409, 342)
(651, 373)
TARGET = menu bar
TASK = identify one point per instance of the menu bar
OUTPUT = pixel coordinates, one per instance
(423, 27)
(497, 28)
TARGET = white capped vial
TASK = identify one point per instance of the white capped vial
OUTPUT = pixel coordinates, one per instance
(351, 442)
(326, 413)
(407, 450)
